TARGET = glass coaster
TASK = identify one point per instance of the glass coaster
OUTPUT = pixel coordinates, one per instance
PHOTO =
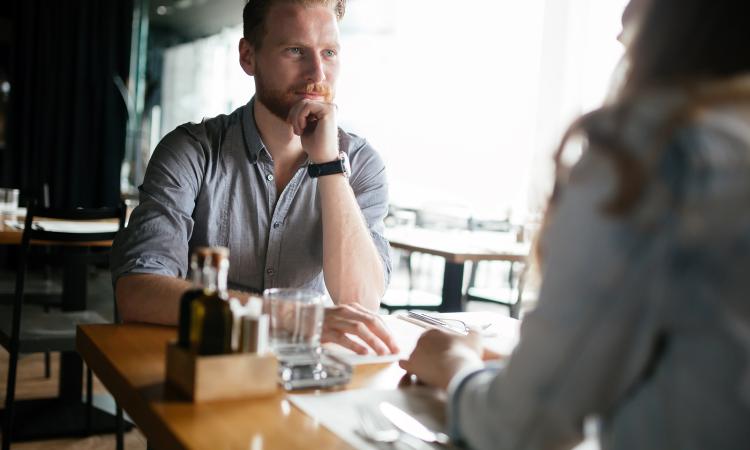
(313, 370)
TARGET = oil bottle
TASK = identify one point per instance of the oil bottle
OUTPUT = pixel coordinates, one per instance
(211, 317)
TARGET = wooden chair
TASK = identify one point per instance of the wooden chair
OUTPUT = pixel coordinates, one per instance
(510, 295)
(27, 328)
(40, 286)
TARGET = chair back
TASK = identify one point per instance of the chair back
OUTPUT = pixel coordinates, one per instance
(59, 236)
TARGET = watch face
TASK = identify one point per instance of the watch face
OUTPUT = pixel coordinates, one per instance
(347, 168)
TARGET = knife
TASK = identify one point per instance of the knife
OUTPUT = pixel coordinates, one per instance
(409, 425)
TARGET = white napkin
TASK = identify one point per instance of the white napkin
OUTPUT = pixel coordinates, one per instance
(338, 411)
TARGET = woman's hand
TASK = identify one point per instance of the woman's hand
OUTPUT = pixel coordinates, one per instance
(439, 356)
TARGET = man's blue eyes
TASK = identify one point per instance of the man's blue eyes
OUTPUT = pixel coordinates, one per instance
(299, 51)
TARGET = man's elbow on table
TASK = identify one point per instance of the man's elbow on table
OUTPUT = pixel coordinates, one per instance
(148, 298)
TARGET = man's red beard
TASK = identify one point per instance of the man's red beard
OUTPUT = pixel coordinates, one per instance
(281, 102)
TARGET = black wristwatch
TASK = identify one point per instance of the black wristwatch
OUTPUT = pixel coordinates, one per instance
(340, 165)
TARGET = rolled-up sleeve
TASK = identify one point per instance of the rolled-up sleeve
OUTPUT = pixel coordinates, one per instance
(159, 229)
(370, 187)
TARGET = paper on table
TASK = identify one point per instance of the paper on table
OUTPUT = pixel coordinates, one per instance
(338, 411)
(501, 337)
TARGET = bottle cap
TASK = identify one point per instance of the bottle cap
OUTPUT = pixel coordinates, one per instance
(219, 256)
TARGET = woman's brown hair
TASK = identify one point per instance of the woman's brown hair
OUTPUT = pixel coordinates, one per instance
(679, 44)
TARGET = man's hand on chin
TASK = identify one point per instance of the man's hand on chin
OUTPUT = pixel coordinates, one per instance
(356, 320)
(315, 122)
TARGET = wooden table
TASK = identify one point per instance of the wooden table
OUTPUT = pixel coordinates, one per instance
(30, 423)
(130, 361)
(10, 235)
(458, 247)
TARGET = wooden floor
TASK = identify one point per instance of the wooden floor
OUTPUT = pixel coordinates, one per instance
(32, 384)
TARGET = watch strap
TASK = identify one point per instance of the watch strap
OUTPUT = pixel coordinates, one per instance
(329, 168)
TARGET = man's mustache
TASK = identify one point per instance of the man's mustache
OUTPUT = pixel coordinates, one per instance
(321, 89)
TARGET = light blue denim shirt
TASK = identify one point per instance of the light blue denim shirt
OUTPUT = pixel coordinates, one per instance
(212, 183)
(638, 316)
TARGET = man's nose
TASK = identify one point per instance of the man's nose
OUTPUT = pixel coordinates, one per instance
(316, 69)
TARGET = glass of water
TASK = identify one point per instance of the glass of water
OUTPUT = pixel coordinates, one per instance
(8, 200)
(296, 323)
(296, 320)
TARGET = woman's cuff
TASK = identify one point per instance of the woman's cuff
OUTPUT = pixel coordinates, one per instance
(456, 385)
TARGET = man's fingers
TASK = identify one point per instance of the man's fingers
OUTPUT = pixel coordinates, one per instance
(361, 322)
(345, 341)
(378, 326)
(306, 111)
(362, 330)
(373, 322)
(296, 117)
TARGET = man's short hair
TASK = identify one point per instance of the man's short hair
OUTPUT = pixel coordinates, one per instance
(255, 12)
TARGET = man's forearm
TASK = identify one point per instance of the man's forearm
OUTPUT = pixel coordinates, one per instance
(149, 298)
(352, 266)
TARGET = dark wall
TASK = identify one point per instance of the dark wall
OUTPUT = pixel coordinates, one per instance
(67, 120)
(5, 36)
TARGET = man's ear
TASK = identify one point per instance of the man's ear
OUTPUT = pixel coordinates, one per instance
(247, 56)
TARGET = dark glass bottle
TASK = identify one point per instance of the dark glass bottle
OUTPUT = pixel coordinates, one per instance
(197, 260)
(211, 317)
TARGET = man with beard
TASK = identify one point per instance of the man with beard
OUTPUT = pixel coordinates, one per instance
(298, 201)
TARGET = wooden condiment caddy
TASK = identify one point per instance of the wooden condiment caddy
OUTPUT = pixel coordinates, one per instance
(221, 377)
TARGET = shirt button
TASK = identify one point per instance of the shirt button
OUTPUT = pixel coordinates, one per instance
(269, 177)
(276, 225)
(269, 271)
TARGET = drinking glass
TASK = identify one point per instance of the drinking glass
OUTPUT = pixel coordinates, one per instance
(8, 200)
(296, 323)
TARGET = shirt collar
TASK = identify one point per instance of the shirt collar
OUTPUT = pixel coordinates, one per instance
(253, 143)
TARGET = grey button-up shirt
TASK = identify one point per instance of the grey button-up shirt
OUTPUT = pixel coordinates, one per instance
(212, 184)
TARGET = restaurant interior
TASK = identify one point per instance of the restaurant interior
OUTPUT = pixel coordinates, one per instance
(464, 101)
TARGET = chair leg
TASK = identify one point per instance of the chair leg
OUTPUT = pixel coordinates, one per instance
(120, 430)
(47, 369)
(10, 398)
(89, 400)
(410, 271)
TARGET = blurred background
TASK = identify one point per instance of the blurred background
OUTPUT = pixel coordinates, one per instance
(463, 100)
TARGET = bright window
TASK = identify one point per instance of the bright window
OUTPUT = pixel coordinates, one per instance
(464, 100)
